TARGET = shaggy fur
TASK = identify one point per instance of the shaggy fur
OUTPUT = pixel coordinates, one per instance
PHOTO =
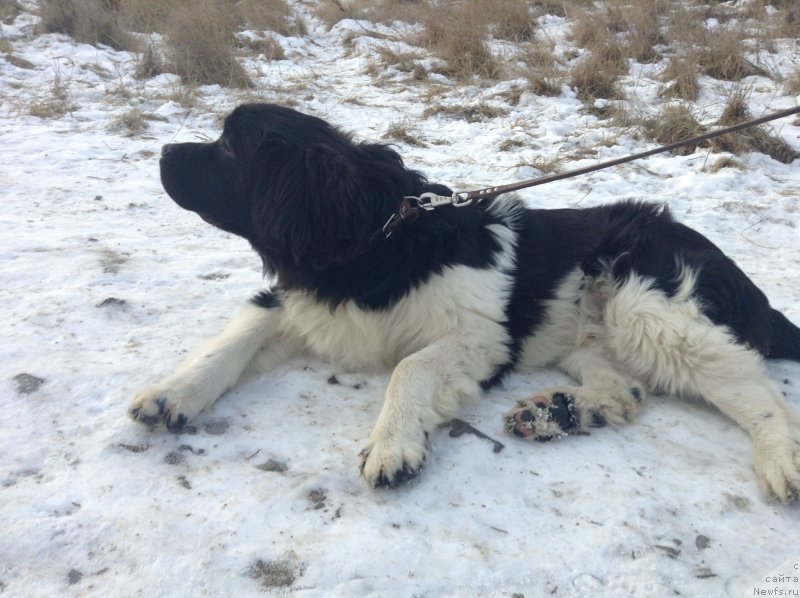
(622, 297)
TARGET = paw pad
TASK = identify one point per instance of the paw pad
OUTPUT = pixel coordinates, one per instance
(542, 419)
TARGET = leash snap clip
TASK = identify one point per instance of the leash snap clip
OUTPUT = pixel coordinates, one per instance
(461, 200)
(429, 201)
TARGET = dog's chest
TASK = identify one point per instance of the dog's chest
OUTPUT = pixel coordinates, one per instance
(462, 302)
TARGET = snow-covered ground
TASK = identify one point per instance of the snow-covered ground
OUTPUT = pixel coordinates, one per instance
(105, 284)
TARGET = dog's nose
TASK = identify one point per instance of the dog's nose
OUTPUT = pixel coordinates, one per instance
(166, 149)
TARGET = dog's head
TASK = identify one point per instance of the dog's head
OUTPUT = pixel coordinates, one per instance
(303, 193)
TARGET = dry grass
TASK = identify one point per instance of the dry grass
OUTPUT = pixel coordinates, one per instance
(132, 122)
(8, 10)
(201, 39)
(88, 21)
(270, 15)
(57, 102)
(510, 145)
(512, 20)
(595, 76)
(457, 33)
(544, 165)
(331, 12)
(405, 62)
(723, 56)
(644, 31)
(673, 124)
(753, 139)
(791, 84)
(150, 64)
(541, 68)
(405, 132)
(147, 16)
(470, 113)
(682, 79)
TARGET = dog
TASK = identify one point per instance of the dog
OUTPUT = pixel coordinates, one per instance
(623, 298)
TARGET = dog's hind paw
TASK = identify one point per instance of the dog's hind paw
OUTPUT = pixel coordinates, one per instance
(391, 463)
(545, 417)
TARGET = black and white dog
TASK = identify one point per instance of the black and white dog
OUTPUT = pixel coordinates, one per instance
(622, 297)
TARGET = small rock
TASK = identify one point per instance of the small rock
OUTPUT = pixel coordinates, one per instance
(216, 428)
(273, 465)
(702, 542)
(74, 576)
(216, 276)
(27, 383)
(112, 302)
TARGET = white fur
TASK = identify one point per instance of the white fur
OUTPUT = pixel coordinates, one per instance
(671, 345)
(447, 335)
(617, 338)
(444, 337)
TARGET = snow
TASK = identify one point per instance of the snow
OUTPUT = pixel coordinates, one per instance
(106, 284)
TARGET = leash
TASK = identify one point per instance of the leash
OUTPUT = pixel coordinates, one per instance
(410, 205)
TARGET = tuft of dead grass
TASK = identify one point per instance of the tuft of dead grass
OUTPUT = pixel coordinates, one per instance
(457, 34)
(88, 21)
(201, 40)
(673, 124)
(753, 139)
(404, 132)
(470, 113)
(9, 9)
(595, 76)
(512, 20)
(146, 16)
(723, 56)
(150, 64)
(644, 31)
(271, 15)
(541, 68)
(55, 102)
(331, 12)
(682, 79)
(791, 84)
(405, 62)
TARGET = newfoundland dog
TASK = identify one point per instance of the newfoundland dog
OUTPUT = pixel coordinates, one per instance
(621, 297)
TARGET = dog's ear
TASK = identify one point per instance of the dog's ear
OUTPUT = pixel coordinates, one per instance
(312, 204)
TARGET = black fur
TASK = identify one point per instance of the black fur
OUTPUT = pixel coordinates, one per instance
(309, 199)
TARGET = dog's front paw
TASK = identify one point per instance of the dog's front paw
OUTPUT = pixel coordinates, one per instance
(544, 417)
(776, 460)
(390, 462)
(157, 405)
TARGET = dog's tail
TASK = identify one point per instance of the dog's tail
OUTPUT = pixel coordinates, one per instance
(785, 338)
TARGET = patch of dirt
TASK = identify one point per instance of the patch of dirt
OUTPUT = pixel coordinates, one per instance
(274, 574)
(317, 498)
(273, 465)
(216, 428)
(28, 383)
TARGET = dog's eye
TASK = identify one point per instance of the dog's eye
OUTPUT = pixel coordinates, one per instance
(225, 145)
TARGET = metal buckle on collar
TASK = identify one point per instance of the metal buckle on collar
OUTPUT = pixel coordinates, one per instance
(407, 212)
